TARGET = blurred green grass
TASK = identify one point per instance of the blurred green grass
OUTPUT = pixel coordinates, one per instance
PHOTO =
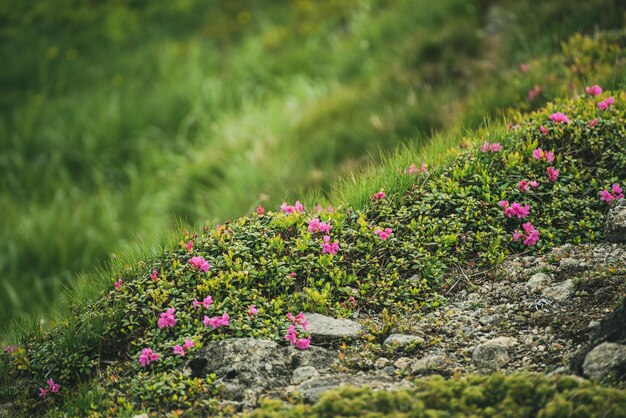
(129, 118)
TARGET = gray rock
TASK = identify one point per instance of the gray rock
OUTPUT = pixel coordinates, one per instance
(494, 353)
(381, 363)
(302, 374)
(312, 389)
(559, 292)
(538, 282)
(615, 228)
(403, 363)
(402, 340)
(247, 367)
(607, 360)
(325, 328)
(435, 362)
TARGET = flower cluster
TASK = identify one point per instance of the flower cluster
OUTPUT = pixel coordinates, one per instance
(594, 90)
(316, 226)
(147, 356)
(383, 234)
(154, 276)
(252, 310)
(414, 170)
(552, 173)
(206, 303)
(167, 319)
(524, 184)
(217, 321)
(182, 349)
(609, 196)
(118, 284)
(543, 130)
(530, 234)
(559, 117)
(292, 333)
(52, 388)
(514, 209)
(329, 247)
(487, 147)
(534, 92)
(189, 246)
(288, 209)
(200, 263)
(606, 103)
(540, 154)
(379, 195)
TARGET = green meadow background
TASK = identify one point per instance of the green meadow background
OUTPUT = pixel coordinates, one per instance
(124, 121)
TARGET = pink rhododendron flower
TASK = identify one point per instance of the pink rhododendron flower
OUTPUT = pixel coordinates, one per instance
(167, 319)
(260, 210)
(540, 154)
(154, 276)
(606, 103)
(383, 234)
(316, 226)
(299, 319)
(287, 209)
(487, 147)
(189, 246)
(594, 90)
(378, 195)
(200, 263)
(188, 344)
(559, 117)
(523, 185)
(179, 350)
(252, 310)
(514, 209)
(414, 170)
(552, 173)
(530, 234)
(329, 247)
(292, 275)
(217, 321)
(206, 303)
(291, 335)
(534, 92)
(52, 388)
(533, 184)
(10, 349)
(303, 343)
(543, 130)
(147, 356)
(42, 392)
(118, 284)
(592, 123)
(615, 193)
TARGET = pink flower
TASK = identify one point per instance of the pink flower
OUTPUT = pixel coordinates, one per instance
(10, 349)
(217, 321)
(615, 193)
(378, 195)
(592, 123)
(189, 246)
(42, 392)
(179, 350)
(524, 68)
(559, 117)
(292, 275)
(154, 276)
(287, 209)
(552, 173)
(543, 130)
(316, 226)
(200, 263)
(167, 319)
(534, 92)
(514, 209)
(606, 103)
(487, 147)
(206, 303)
(260, 210)
(594, 90)
(414, 170)
(540, 154)
(303, 343)
(252, 310)
(188, 344)
(329, 247)
(291, 335)
(299, 319)
(383, 234)
(533, 184)
(530, 234)
(118, 284)
(147, 356)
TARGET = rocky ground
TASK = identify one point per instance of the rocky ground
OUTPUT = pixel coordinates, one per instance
(561, 312)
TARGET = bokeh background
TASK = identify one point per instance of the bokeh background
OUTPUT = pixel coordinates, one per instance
(123, 120)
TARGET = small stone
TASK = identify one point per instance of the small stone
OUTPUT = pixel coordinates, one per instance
(430, 363)
(538, 282)
(607, 360)
(302, 374)
(402, 341)
(559, 292)
(402, 363)
(615, 229)
(325, 328)
(494, 353)
(381, 363)
(141, 416)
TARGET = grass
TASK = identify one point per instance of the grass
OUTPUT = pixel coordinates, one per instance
(126, 119)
